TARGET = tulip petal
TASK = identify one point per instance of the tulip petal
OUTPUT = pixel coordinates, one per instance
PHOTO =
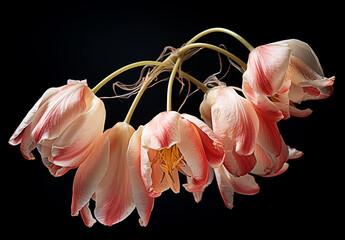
(262, 103)
(143, 202)
(67, 150)
(51, 118)
(162, 131)
(213, 146)
(229, 184)
(86, 215)
(239, 165)
(233, 116)
(267, 65)
(193, 152)
(225, 187)
(304, 52)
(17, 135)
(114, 201)
(269, 137)
(90, 173)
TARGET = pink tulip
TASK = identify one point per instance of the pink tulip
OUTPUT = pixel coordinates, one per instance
(170, 143)
(234, 120)
(283, 73)
(104, 176)
(61, 125)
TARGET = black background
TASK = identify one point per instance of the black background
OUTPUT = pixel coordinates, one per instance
(47, 43)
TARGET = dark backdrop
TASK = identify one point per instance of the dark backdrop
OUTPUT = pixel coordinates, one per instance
(48, 43)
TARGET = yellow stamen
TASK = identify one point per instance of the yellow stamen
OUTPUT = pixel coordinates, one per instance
(274, 98)
(168, 160)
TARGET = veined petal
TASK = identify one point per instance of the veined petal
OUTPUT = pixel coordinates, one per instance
(239, 165)
(86, 215)
(214, 148)
(304, 52)
(143, 202)
(262, 103)
(193, 152)
(27, 143)
(114, 201)
(229, 184)
(51, 118)
(269, 137)
(233, 116)
(69, 148)
(198, 195)
(225, 187)
(162, 131)
(90, 173)
(205, 106)
(17, 135)
(267, 65)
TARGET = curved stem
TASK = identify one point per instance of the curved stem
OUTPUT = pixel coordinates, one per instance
(170, 84)
(121, 70)
(182, 50)
(223, 30)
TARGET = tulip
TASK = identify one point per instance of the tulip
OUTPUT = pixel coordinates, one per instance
(61, 125)
(170, 143)
(104, 176)
(281, 74)
(234, 120)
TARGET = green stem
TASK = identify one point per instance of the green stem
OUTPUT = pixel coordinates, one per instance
(182, 50)
(171, 81)
(223, 30)
(121, 70)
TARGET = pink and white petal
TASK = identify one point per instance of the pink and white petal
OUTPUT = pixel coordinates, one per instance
(234, 116)
(265, 163)
(213, 146)
(279, 172)
(298, 112)
(86, 215)
(225, 187)
(269, 137)
(304, 52)
(69, 148)
(245, 185)
(162, 131)
(114, 201)
(262, 103)
(198, 195)
(148, 175)
(205, 106)
(90, 173)
(51, 118)
(27, 143)
(193, 152)
(17, 135)
(143, 202)
(239, 165)
(267, 65)
(294, 153)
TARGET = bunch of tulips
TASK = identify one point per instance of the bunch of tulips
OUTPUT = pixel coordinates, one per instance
(123, 168)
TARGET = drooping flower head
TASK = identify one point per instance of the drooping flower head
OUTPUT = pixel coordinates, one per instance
(252, 142)
(234, 120)
(61, 125)
(171, 143)
(281, 74)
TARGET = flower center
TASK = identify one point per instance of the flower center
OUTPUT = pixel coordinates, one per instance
(168, 160)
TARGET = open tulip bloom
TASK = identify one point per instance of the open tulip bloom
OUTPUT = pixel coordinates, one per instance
(237, 137)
